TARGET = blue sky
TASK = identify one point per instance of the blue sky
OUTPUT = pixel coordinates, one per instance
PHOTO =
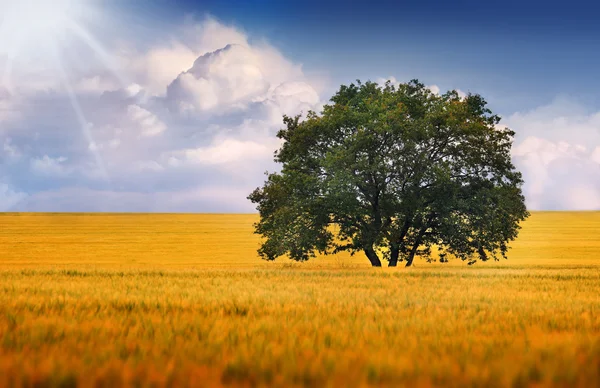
(173, 105)
(530, 50)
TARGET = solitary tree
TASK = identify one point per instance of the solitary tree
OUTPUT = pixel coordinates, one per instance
(392, 171)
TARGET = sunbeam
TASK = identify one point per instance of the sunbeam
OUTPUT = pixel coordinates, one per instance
(38, 32)
(83, 123)
(99, 50)
(91, 42)
(29, 25)
(6, 72)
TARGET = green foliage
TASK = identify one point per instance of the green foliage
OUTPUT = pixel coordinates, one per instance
(392, 169)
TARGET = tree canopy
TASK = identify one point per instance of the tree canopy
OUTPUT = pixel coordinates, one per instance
(392, 171)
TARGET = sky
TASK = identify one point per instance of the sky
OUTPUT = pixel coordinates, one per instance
(173, 106)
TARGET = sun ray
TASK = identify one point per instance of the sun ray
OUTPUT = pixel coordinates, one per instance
(11, 52)
(7, 72)
(83, 123)
(106, 58)
(34, 33)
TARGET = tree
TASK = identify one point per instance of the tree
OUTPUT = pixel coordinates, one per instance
(395, 170)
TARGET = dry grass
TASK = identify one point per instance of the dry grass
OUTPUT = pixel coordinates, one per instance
(183, 300)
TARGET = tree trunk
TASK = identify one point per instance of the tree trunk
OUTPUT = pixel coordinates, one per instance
(482, 254)
(395, 247)
(394, 253)
(411, 255)
(372, 256)
(415, 247)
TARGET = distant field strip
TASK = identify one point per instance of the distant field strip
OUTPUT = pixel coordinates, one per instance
(183, 300)
(210, 241)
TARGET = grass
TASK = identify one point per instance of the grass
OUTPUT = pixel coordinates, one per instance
(178, 300)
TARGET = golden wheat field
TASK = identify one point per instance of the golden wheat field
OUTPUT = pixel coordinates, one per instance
(183, 300)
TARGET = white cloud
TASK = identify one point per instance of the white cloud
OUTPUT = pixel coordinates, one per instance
(80, 199)
(9, 197)
(210, 35)
(561, 120)
(8, 109)
(47, 165)
(393, 81)
(582, 198)
(223, 151)
(435, 89)
(196, 115)
(557, 147)
(546, 151)
(134, 141)
(288, 98)
(595, 157)
(147, 165)
(461, 94)
(159, 66)
(230, 78)
(97, 84)
(149, 124)
(156, 68)
(11, 151)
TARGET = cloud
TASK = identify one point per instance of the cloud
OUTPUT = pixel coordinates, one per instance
(97, 84)
(11, 151)
(9, 197)
(8, 110)
(78, 199)
(158, 66)
(148, 123)
(225, 151)
(595, 157)
(50, 166)
(210, 35)
(290, 98)
(230, 78)
(557, 147)
(187, 124)
(435, 89)
(148, 165)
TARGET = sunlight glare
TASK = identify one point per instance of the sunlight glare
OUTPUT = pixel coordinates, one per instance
(28, 26)
(39, 32)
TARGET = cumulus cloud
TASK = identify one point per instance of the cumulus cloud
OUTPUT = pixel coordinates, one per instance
(97, 84)
(148, 123)
(158, 66)
(187, 124)
(290, 98)
(224, 151)
(557, 147)
(230, 78)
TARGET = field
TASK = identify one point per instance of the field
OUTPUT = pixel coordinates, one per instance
(178, 300)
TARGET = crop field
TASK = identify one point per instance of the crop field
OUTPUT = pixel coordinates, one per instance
(184, 300)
